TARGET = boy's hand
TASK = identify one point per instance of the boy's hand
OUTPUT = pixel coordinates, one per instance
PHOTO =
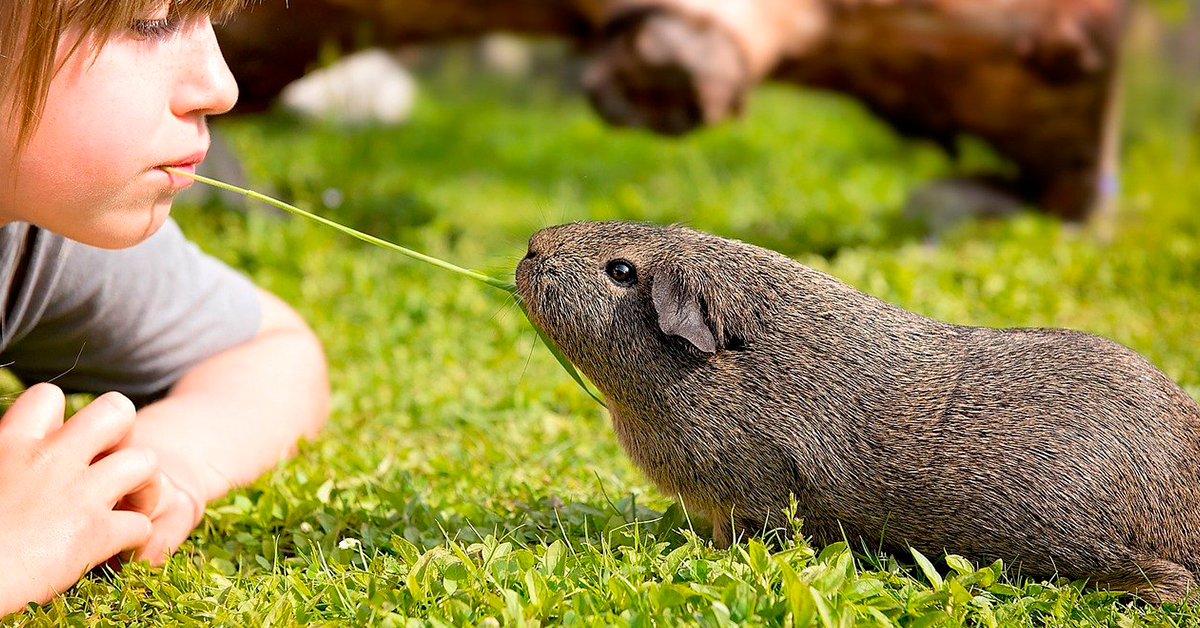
(180, 508)
(60, 487)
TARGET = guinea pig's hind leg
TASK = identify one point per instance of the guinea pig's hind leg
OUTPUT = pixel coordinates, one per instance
(1156, 580)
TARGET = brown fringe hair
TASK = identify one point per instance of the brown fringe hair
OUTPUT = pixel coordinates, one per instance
(31, 31)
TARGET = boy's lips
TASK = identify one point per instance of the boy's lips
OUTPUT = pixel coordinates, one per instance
(188, 164)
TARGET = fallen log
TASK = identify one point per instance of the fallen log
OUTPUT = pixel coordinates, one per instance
(1037, 79)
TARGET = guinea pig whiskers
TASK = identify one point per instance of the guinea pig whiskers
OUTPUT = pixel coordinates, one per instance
(510, 303)
(525, 368)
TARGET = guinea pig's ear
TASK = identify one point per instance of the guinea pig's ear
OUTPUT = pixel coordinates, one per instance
(679, 311)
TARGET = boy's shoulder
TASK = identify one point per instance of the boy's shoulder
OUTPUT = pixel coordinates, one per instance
(21, 241)
(128, 319)
(29, 257)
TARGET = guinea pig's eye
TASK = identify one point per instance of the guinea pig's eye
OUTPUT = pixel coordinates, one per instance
(621, 272)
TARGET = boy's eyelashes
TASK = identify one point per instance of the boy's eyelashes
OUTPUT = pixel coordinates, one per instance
(159, 28)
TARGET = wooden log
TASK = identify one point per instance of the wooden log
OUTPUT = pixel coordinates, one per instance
(1034, 78)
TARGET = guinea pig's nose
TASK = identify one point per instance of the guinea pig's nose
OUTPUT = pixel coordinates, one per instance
(539, 245)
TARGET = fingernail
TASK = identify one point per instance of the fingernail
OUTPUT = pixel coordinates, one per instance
(120, 402)
(45, 388)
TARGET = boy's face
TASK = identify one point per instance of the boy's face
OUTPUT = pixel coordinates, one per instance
(91, 171)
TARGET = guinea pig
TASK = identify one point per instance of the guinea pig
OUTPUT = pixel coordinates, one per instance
(740, 380)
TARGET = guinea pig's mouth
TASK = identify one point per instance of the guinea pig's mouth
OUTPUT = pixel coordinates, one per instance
(528, 279)
(539, 292)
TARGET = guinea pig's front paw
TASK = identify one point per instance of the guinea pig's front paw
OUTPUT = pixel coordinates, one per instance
(724, 530)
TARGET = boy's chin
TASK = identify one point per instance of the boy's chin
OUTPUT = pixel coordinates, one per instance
(129, 230)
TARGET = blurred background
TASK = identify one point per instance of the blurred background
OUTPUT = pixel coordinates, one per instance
(1004, 106)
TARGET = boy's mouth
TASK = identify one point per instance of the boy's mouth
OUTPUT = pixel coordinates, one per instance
(188, 164)
(178, 182)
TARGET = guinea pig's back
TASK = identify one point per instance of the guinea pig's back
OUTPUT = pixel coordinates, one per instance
(1058, 432)
(975, 437)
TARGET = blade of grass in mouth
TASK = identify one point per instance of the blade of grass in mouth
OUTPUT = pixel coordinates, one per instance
(366, 237)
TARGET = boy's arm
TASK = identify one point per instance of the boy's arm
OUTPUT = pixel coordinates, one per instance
(244, 376)
(231, 417)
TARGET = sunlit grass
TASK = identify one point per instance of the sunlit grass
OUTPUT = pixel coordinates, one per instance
(464, 481)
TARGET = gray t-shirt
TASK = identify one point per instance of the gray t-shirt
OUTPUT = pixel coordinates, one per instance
(132, 320)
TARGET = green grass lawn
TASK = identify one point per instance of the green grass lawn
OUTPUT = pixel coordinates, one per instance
(465, 480)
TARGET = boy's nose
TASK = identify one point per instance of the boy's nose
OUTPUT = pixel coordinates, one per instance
(208, 87)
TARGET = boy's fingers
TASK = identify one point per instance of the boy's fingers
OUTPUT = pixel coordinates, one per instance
(127, 530)
(156, 550)
(130, 477)
(36, 413)
(99, 427)
(145, 499)
(171, 529)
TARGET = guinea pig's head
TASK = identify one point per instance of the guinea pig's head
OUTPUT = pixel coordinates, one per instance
(630, 303)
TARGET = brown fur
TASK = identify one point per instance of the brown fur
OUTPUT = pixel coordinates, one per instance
(1052, 448)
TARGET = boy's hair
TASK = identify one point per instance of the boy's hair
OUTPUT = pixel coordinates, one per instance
(30, 33)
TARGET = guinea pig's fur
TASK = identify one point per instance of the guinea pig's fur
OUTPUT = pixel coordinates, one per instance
(738, 379)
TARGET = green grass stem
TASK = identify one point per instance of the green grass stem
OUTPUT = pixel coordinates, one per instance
(366, 237)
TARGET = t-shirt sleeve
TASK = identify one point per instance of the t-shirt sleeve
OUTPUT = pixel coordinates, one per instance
(135, 320)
